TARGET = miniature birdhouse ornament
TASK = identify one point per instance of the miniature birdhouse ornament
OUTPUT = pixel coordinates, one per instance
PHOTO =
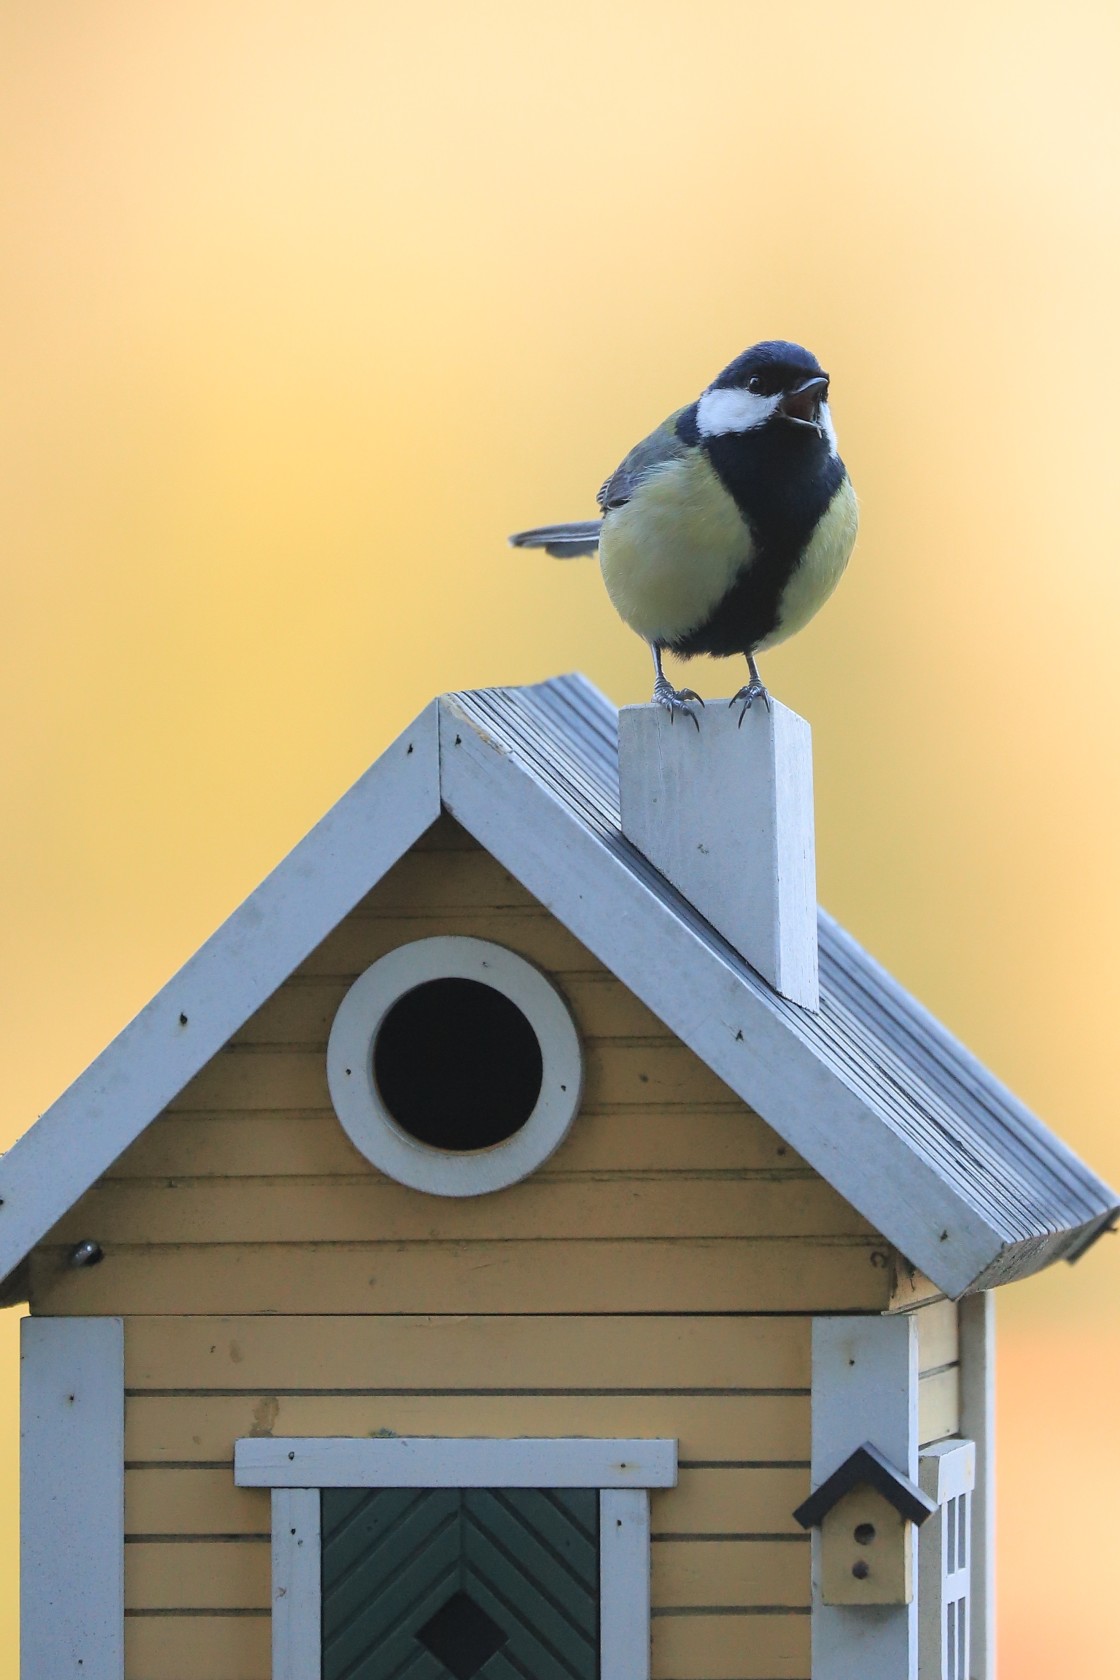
(521, 1219)
(867, 1512)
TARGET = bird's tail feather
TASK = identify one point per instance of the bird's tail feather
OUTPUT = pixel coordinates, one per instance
(565, 542)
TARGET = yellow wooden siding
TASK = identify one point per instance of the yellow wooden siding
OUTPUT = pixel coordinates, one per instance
(247, 1196)
(301, 1143)
(685, 1647)
(358, 1209)
(834, 1274)
(198, 1500)
(734, 1391)
(939, 1406)
(274, 1283)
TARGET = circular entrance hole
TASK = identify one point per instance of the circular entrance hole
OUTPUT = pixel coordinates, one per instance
(457, 1064)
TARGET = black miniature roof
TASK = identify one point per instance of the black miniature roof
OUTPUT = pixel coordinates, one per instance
(866, 1467)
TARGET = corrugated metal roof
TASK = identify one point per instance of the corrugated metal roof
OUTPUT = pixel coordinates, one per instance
(951, 1112)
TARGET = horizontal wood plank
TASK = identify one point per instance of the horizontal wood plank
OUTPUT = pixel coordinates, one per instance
(731, 1500)
(911, 1288)
(312, 1144)
(699, 1647)
(302, 1011)
(235, 1575)
(939, 1405)
(425, 881)
(197, 1575)
(648, 1352)
(728, 1500)
(687, 1275)
(193, 1501)
(219, 1647)
(938, 1337)
(689, 1647)
(657, 1073)
(533, 933)
(696, 1573)
(376, 1209)
(175, 1429)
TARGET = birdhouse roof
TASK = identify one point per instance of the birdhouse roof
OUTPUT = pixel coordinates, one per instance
(866, 1467)
(871, 1091)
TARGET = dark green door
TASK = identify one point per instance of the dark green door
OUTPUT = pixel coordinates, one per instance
(471, 1583)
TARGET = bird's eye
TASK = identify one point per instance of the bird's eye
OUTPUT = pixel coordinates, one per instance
(754, 384)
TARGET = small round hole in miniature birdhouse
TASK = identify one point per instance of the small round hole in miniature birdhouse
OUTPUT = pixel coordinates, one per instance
(864, 1534)
(457, 1064)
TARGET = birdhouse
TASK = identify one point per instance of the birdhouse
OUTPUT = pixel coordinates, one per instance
(867, 1512)
(486, 1252)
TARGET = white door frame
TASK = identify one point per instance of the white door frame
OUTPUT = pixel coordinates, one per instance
(297, 1468)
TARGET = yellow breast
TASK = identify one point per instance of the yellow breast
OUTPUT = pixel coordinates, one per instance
(821, 566)
(670, 554)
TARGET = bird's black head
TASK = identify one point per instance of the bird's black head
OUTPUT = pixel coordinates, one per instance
(772, 383)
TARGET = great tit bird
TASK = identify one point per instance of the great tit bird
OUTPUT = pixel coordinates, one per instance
(725, 529)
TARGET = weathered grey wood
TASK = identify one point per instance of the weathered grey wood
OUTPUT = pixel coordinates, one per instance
(978, 1422)
(241, 965)
(624, 1584)
(749, 1041)
(726, 814)
(72, 1499)
(296, 1597)
(865, 1388)
(431, 1461)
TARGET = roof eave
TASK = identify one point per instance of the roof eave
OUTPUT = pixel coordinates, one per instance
(228, 978)
(1023, 1259)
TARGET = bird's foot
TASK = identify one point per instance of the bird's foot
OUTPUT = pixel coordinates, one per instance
(676, 700)
(748, 694)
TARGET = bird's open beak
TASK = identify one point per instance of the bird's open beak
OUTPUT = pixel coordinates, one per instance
(803, 405)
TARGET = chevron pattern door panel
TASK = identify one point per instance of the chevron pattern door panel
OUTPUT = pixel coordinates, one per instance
(460, 1583)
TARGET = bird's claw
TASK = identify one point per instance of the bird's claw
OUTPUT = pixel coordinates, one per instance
(749, 693)
(676, 700)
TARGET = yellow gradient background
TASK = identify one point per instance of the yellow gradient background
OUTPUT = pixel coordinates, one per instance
(305, 305)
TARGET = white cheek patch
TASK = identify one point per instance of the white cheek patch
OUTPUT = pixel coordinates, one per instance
(824, 419)
(733, 410)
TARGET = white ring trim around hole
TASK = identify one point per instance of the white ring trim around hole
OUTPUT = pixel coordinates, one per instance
(365, 1118)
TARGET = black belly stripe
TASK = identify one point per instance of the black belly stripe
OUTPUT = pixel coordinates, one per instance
(782, 479)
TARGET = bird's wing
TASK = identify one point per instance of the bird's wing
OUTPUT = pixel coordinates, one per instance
(657, 450)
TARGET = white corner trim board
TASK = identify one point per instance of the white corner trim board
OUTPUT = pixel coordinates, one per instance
(865, 1388)
(72, 1499)
(438, 1461)
(978, 1395)
(358, 1102)
(623, 1471)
